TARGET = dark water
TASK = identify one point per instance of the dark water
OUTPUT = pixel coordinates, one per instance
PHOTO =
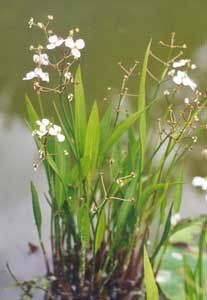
(115, 30)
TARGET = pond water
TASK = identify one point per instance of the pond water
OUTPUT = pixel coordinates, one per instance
(114, 30)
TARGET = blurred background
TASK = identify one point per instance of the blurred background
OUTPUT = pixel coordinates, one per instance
(114, 31)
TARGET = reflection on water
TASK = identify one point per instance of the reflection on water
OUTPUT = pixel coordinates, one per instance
(114, 31)
(16, 219)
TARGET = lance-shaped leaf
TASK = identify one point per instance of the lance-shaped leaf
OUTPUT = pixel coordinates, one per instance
(178, 190)
(150, 284)
(142, 104)
(36, 209)
(92, 140)
(32, 114)
(100, 230)
(80, 113)
(117, 133)
(84, 224)
(105, 124)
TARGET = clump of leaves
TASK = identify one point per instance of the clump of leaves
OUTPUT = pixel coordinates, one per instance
(109, 181)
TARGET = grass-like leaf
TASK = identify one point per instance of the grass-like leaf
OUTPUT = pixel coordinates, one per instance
(92, 140)
(117, 133)
(84, 224)
(36, 209)
(100, 230)
(32, 114)
(178, 189)
(150, 284)
(142, 104)
(80, 113)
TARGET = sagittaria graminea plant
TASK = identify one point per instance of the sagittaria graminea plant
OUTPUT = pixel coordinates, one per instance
(109, 182)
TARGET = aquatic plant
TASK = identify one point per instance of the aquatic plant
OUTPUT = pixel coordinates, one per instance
(115, 178)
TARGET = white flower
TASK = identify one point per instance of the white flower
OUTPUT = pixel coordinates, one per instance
(37, 73)
(193, 67)
(187, 101)
(180, 63)
(200, 182)
(175, 219)
(75, 46)
(166, 93)
(54, 42)
(67, 75)
(41, 59)
(47, 128)
(182, 78)
(50, 17)
(43, 128)
(55, 130)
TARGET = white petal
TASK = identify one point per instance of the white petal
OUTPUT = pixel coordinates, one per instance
(197, 181)
(30, 75)
(44, 59)
(52, 131)
(45, 122)
(180, 63)
(204, 185)
(193, 67)
(42, 128)
(188, 82)
(177, 80)
(69, 42)
(45, 77)
(53, 39)
(59, 42)
(36, 58)
(51, 46)
(60, 137)
(42, 75)
(76, 53)
(57, 128)
(80, 44)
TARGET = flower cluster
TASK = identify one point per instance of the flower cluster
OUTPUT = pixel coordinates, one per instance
(180, 77)
(46, 128)
(70, 52)
(200, 182)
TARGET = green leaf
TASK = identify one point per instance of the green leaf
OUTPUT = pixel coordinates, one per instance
(200, 262)
(178, 190)
(84, 224)
(189, 281)
(36, 209)
(100, 230)
(32, 114)
(80, 113)
(150, 284)
(105, 124)
(55, 168)
(166, 232)
(142, 104)
(92, 140)
(117, 133)
(62, 164)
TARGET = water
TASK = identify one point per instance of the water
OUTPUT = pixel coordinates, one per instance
(114, 31)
